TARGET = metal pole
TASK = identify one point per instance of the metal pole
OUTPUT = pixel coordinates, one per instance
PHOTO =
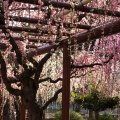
(22, 110)
(66, 82)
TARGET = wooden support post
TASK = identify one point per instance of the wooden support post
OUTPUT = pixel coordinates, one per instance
(66, 83)
(22, 110)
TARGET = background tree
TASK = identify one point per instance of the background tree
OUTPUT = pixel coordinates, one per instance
(96, 101)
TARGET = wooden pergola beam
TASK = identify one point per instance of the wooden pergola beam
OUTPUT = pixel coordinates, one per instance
(19, 29)
(32, 39)
(33, 30)
(3, 46)
(35, 21)
(76, 7)
(94, 33)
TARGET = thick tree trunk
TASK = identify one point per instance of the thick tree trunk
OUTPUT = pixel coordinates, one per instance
(35, 112)
(29, 99)
(96, 113)
(36, 115)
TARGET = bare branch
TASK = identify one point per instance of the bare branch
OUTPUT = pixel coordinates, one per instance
(82, 75)
(94, 64)
(50, 80)
(52, 99)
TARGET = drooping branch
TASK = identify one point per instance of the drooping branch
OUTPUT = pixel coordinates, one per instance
(52, 99)
(5, 79)
(94, 64)
(40, 66)
(50, 80)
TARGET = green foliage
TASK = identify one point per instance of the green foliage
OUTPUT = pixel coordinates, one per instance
(104, 117)
(112, 101)
(96, 101)
(77, 98)
(73, 116)
(58, 115)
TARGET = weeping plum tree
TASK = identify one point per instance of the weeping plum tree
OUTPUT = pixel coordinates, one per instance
(27, 86)
(23, 80)
(21, 74)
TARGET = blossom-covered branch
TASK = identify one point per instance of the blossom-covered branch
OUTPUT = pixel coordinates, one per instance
(93, 64)
(81, 75)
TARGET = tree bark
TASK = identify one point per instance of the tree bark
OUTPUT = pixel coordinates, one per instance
(35, 112)
(29, 99)
(96, 113)
(90, 114)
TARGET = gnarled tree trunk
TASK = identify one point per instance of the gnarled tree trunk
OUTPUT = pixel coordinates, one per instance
(29, 99)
